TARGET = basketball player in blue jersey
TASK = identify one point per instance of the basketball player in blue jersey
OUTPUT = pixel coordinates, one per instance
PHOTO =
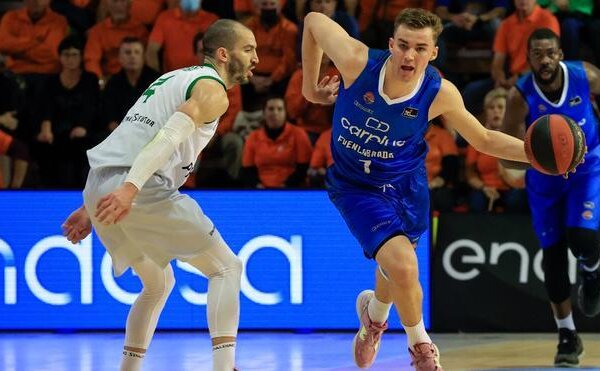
(378, 181)
(564, 211)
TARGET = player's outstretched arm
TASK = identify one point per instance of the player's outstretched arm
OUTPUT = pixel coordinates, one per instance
(323, 35)
(207, 103)
(449, 104)
(593, 76)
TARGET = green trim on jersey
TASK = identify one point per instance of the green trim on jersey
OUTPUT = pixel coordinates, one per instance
(188, 92)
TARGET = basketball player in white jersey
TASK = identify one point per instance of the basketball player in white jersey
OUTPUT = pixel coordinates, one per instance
(132, 199)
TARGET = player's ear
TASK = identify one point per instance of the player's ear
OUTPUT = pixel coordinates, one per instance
(391, 43)
(434, 55)
(222, 54)
(561, 55)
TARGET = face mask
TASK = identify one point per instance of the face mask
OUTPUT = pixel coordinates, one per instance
(269, 17)
(189, 6)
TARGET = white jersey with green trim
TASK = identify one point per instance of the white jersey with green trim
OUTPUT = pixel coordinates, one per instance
(147, 116)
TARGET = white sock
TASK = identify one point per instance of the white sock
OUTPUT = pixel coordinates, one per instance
(378, 311)
(132, 361)
(566, 322)
(591, 269)
(416, 334)
(224, 357)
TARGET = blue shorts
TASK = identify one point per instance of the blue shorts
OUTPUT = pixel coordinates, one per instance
(376, 214)
(557, 204)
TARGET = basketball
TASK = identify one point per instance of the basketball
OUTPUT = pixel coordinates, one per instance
(554, 144)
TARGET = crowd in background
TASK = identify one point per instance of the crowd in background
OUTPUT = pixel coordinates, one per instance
(70, 70)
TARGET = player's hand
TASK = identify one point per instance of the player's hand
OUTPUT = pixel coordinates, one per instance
(581, 161)
(115, 206)
(77, 226)
(326, 91)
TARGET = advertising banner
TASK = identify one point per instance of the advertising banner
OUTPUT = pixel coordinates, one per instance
(302, 267)
(487, 276)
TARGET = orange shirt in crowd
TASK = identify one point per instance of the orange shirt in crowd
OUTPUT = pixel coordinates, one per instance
(314, 118)
(80, 3)
(247, 6)
(487, 168)
(276, 48)
(441, 144)
(146, 11)
(5, 142)
(511, 37)
(321, 156)
(235, 106)
(276, 159)
(101, 55)
(388, 11)
(32, 47)
(175, 32)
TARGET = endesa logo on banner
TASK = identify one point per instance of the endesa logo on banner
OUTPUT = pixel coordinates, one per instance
(302, 267)
(488, 276)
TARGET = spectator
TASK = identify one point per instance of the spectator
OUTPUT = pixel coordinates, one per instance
(576, 24)
(442, 167)
(221, 159)
(147, 11)
(314, 118)
(174, 32)
(30, 37)
(245, 9)
(80, 14)
(276, 46)
(376, 19)
(68, 111)
(10, 146)
(101, 54)
(276, 155)
(489, 181)
(320, 160)
(468, 21)
(330, 9)
(510, 47)
(124, 88)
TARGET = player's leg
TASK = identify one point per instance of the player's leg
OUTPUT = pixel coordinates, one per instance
(398, 259)
(558, 287)
(223, 269)
(145, 311)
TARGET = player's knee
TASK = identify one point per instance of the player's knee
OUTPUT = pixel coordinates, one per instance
(401, 274)
(232, 268)
(556, 275)
(584, 243)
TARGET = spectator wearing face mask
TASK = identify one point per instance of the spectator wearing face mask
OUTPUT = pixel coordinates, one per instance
(276, 46)
(174, 32)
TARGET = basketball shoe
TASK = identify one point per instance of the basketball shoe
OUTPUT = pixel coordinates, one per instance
(425, 357)
(368, 339)
(569, 349)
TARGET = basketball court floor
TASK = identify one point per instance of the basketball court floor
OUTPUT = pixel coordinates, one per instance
(281, 351)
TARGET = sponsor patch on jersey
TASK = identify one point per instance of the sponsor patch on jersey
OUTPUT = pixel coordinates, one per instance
(587, 215)
(542, 108)
(589, 205)
(369, 97)
(410, 112)
(574, 101)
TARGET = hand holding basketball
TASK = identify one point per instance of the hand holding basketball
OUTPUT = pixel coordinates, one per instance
(555, 144)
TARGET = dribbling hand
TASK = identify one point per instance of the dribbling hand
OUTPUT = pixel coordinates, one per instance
(77, 226)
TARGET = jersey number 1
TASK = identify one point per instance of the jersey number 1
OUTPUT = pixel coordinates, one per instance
(367, 164)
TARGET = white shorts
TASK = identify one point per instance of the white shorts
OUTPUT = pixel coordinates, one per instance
(163, 224)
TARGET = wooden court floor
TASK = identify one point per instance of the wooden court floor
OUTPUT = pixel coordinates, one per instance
(173, 351)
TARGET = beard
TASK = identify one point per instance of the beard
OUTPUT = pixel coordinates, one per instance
(237, 71)
(548, 81)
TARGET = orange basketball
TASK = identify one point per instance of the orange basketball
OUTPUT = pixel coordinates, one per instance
(554, 144)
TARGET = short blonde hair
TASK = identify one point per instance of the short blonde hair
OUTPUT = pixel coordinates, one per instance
(492, 95)
(417, 19)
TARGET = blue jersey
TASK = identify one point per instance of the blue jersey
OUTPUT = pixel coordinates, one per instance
(557, 203)
(574, 103)
(375, 140)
